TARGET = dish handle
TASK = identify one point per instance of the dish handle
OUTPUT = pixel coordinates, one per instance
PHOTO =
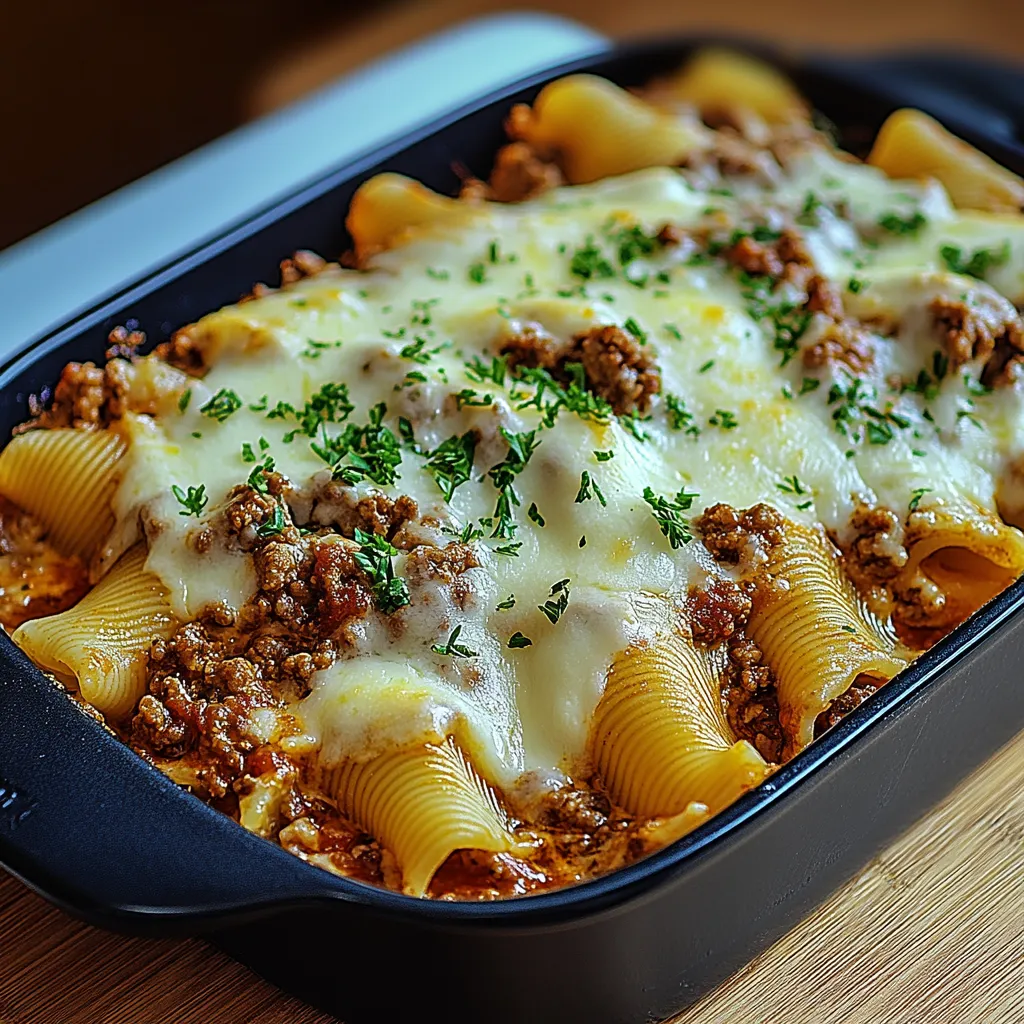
(93, 828)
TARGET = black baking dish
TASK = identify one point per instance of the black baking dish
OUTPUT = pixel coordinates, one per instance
(93, 828)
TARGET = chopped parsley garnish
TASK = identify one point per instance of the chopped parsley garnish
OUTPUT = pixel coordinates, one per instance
(679, 417)
(521, 447)
(975, 387)
(672, 331)
(314, 348)
(183, 399)
(792, 485)
(479, 371)
(631, 421)
(636, 330)
(373, 451)
(897, 224)
(328, 405)
(259, 406)
(467, 396)
(257, 478)
(808, 215)
(222, 405)
(534, 514)
(574, 397)
(583, 541)
(517, 640)
(855, 417)
(633, 243)
(374, 557)
(604, 456)
(590, 262)
(438, 274)
(509, 602)
(274, 525)
(916, 495)
(724, 419)
(451, 462)
(668, 515)
(554, 609)
(809, 384)
(787, 320)
(452, 649)
(418, 352)
(589, 489)
(193, 502)
(706, 366)
(976, 264)
(248, 455)
(855, 285)
(421, 308)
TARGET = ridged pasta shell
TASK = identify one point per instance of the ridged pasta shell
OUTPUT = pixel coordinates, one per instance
(600, 130)
(912, 145)
(717, 79)
(659, 738)
(101, 642)
(813, 633)
(65, 478)
(423, 803)
(968, 553)
(388, 205)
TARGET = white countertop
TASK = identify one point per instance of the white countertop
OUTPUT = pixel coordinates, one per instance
(95, 252)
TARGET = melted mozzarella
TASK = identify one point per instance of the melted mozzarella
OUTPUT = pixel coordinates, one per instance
(402, 331)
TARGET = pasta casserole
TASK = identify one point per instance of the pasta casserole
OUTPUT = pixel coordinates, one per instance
(553, 517)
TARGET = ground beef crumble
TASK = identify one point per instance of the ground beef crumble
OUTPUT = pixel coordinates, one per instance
(718, 611)
(842, 342)
(970, 333)
(616, 367)
(750, 700)
(727, 533)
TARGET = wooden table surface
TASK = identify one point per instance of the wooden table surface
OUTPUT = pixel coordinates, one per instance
(930, 932)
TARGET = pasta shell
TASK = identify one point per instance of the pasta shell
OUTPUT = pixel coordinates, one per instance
(718, 79)
(101, 643)
(65, 478)
(811, 628)
(423, 803)
(967, 553)
(388, 205)
(600, 130)
(659, 739)
(911, 144)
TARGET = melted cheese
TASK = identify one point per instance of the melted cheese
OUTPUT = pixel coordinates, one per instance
(767, 432)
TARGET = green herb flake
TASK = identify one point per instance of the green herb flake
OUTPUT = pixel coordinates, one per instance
(589, 262)
(724, 419)
(193, 502)
(558, 601)
(517, 640)
(706, 366)
(604, 456)
(374, 557)
(450, 648)
(636, 330)
(274, 525)
(222, 405)
(672, 331)
(451, 463)
(978, 263)
(916, 495)
(898, 224)
(589, 489)
(509, 602)
(668, 515)
(534, 514)
(183, 399)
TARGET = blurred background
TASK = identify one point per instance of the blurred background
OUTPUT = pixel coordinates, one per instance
(94, 95)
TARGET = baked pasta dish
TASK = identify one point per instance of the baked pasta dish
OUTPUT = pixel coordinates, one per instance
(553, 517)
